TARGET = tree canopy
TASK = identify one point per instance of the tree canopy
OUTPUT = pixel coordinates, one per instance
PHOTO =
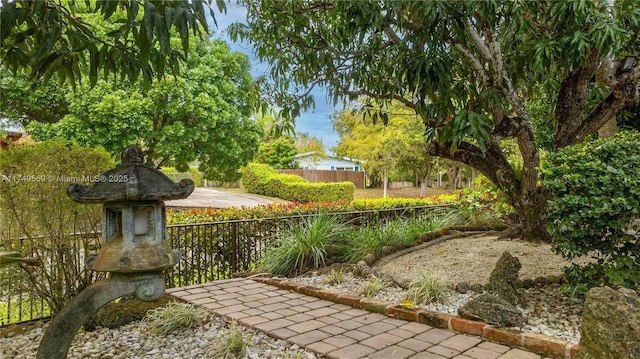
(201, 115)
(382, 147)
(52, 37)
(469, 69)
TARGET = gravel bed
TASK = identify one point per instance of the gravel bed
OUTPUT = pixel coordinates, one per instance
(547, 312)
(133, 341)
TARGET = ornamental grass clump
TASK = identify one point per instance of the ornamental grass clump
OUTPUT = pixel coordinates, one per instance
(231, 345)
(173, 316)
(307, 244)
(334, 277)
(372, 286)
(428, 288)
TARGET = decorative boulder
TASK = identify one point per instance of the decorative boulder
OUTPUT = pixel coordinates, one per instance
(503, 278)
(493, 310)
(610, 324)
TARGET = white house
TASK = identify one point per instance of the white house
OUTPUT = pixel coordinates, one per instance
(313, 161)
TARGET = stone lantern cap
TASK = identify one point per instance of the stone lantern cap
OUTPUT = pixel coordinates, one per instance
(132, 180)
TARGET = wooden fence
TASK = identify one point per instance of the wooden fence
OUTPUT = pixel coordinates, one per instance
(209, 251)
(314, 176)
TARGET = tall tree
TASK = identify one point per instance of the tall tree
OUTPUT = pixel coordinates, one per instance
(201, 115)
(467, 68)
(381, 147)
(51, 37)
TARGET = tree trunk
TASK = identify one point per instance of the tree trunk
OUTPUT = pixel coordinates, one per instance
(385, 183)
(609, 129)
(528, 201)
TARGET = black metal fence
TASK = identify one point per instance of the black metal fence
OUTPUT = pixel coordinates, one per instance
(210, 251)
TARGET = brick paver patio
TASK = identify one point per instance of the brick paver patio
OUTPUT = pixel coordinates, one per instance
(337, 330)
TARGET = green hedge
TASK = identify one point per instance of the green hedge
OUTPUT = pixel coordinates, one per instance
(262, 179)
(594, 210)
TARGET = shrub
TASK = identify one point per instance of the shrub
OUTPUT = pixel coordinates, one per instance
(264, 180)
(173, 316)
(595, 210)
(484, 204)
(363, 204)
(428, 288)
(308, 244)
(38, 219)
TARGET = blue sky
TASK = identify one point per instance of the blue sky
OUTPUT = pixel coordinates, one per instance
(316, 122)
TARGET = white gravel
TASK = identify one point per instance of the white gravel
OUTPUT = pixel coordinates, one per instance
(547, 312)
(133, 341)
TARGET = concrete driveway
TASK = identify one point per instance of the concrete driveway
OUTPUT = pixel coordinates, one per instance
(206, 197)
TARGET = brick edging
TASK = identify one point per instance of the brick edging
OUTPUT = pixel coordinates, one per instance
(531, 341)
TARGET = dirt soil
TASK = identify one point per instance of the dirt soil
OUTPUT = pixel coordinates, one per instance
(471, 259)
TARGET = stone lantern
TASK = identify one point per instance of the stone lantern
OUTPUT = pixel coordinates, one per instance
(134, 250)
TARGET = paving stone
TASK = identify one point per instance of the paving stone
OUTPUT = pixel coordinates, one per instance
(396, 322)
(299, 317)
(355, 351)
(519, 354)
(229, 302)
(232, 309)
(309, 337)
(393, 352)
(461, 342)
(427, 355)
(415, 344)
(321, 347)
(340, 341)
(296, 303)
(272, 315)
(321, 312)
(434, 336)
(444, 351)
(253, 298)
(382, 341)
(479, 353)
(293, 295)
(273, 307)
(357, 335)
(404, 334)
(253, 312)
(307, 326)
(318, 304)
(283, 333)
(417, 328)
(237, 315)
(273, 300)
(498, 348)
(286, 312)
(376, 328)
(333, 329)
(341, 316)
(274, 324)
(340, 307)
(369, 318)
(349, 325)
(329, 320)
(251, 322)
